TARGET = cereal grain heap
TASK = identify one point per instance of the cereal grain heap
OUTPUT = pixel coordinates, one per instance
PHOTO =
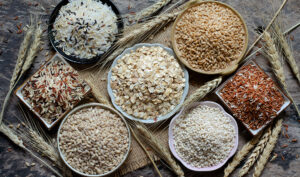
(147, 83)
(54, 89)
(85, 28)
(210, 36)
(203, 137)
(94, 140)
(252, 96)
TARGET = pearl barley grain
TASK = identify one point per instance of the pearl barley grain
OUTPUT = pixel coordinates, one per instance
(94, 140)
(203, 137)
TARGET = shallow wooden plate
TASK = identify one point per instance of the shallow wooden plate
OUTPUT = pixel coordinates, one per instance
(233, 65)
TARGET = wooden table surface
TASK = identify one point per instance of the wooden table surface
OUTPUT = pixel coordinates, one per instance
(255, 12)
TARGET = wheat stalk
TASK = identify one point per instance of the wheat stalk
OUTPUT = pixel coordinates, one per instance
(145, 150)
(269, 148)
(266, 29)
(147, 26)
(151, 9)
(18, 67)
(14, 137)
(273, 57)
(256, 152)
(240, 155)
(287, 51)
(157, 146)
(202, 91)
(134, 37)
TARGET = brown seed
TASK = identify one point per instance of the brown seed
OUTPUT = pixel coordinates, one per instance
(294, 140)
(284, 146)
(292, 37)
(282, 157)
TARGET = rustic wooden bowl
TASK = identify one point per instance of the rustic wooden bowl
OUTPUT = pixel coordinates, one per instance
(233, 65)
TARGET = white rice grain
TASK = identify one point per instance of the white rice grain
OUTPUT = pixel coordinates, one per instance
(85, 28)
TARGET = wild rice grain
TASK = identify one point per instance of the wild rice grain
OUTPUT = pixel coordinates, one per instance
(85, 28)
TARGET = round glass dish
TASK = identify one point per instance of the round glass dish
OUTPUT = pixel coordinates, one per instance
(171, 138)
(233, 65)
(71, 58)
(160, 118)
(103, 107)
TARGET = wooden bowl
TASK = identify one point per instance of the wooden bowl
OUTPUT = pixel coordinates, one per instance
(233, 65)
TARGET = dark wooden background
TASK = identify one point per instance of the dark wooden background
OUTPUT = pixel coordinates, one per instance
(255, 13)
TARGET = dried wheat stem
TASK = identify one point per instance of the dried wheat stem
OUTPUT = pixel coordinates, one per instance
(147, 26)
(16, 140)
(266, 29)
(256, 152)
(21, 56)
(240, 155)
(151, 9)
(273, 57)
(258, 50)
(287, 51)
(145, 150)
(157, 146)
(269, 148)
(202, 91)
(112, 56)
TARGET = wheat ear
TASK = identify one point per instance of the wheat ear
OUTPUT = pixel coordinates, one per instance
(147, 26)
(151, 9)
(33, 50)
(240, 155)
(21, 56)
(161, 150)
(13, 136)
(256, 152)
(269, 148)
(202, 91)
(287, 51)
(133, 37)
(145, 150)
(18, 67)
(273, 57)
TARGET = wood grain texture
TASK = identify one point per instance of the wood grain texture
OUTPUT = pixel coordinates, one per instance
(255, 13)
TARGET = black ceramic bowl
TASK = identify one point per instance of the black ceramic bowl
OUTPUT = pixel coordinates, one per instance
(71, 58)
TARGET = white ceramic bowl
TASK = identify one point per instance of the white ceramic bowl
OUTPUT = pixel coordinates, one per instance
(160, 118)
(171, 137)
(103, 107)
